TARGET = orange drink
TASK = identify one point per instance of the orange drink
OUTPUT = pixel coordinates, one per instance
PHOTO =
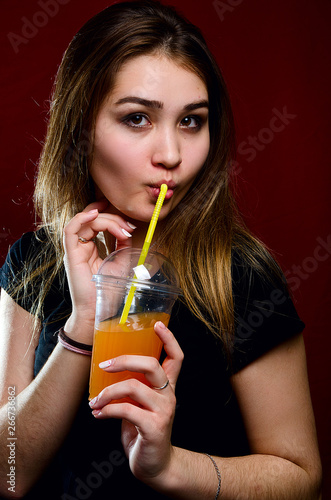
(131, 296)
(111, 339)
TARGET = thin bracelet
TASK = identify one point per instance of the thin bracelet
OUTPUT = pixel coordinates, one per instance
(73, 345)
(218, 475)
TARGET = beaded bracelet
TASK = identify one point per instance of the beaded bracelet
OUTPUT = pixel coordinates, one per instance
(73, 345)
(218, 475)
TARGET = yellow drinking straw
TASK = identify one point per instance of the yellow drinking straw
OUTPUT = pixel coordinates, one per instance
(144, 251)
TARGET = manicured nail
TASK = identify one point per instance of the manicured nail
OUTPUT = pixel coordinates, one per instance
(96, 413)
(131, 225)
(93, 401)
(105, 364)
(126, 233)
(161, 325)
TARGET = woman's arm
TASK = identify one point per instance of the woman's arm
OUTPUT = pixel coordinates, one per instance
(274, 399)
(44, 407)
(273, 395)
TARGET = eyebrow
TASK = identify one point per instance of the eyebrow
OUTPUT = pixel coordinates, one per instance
(197, 105)
(141, 101)
(158, 104)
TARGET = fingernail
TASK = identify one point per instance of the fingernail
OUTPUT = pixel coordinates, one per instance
(161, 325)
(94, 211)
(93, 401)
(96, 413)
(105, 364)
(126, 233)
(131, 225)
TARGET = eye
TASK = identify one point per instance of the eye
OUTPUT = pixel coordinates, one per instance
(191, 122)
(136, 120)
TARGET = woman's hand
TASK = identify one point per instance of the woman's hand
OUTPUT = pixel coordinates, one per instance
(82, 259)
(147, 425)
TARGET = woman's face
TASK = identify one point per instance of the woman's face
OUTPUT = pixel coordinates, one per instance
(151, 129)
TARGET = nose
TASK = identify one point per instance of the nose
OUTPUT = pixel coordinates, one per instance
(166, 149)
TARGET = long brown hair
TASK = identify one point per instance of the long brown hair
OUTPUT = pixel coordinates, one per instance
(204, 228)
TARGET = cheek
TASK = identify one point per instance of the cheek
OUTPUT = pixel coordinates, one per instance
(115, 155)
(197, 155)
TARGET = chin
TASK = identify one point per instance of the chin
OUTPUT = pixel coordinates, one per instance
(146, 215)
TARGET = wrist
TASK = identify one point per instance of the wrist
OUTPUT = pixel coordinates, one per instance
(79, 329)
(165, 481)
(73, 345)
(188, 475)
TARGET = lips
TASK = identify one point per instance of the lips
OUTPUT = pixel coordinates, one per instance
(155, 189)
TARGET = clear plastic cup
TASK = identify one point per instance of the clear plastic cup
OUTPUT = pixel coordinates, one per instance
(153, 288)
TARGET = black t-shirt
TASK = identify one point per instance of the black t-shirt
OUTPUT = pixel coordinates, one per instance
(92, 463)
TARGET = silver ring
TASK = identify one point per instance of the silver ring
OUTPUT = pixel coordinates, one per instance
(162, 387)
(84, 240)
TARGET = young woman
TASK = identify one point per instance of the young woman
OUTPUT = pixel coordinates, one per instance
(139, 101)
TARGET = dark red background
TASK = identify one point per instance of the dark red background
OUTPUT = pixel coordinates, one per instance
(275, 58)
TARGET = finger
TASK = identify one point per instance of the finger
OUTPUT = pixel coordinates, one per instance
(134, 414)
(147, 365)
(137, 392)
(174, 359)
(88, 224)
(101, 206)
(113, 402)
(70, 233)
(115, 225)
(127, 229)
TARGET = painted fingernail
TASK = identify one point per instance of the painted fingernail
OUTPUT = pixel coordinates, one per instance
(105, 364)
(131, 225)
(126, 233)
(93, 401)
(96, 413)
(161, 325)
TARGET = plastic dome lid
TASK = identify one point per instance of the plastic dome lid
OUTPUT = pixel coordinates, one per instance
(121, 267)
